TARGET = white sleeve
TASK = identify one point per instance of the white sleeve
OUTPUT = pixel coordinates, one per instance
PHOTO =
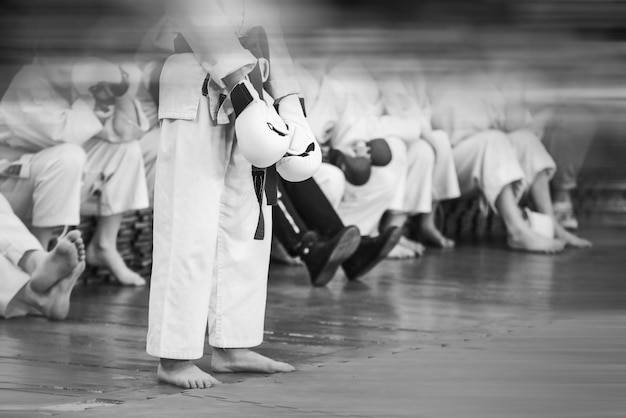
(41, 115)
(208, 31)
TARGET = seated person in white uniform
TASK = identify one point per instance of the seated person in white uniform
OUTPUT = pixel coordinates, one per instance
(565, 125)
(145, 51)
(68, 131)
(32, 280)
(431, 176)
(345, 111)
(501, 165)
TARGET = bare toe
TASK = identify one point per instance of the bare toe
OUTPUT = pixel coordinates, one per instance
(74, 236)
(184, 374)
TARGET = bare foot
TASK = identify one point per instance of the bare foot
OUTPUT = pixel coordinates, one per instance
(61, 294)
(58, 263)
(184, 374)
(569, 238)
(527, 240)
(112, 260)
(235, 360)
(400, 252)
(431, 235)
(55, 303)
(406, 248)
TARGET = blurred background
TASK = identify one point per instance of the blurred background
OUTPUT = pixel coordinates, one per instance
(579, 46)
(581, 37)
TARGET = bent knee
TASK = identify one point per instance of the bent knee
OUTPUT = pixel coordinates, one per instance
(398, 150)
(63, 158)
(421, 152)
(332, 181)
(525, 141)
(70, 154)
(493, 137)
(524, 136)
(440, 141)
(130, 151)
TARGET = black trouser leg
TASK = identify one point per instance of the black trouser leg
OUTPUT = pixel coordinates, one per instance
(289, 228)
(314, 208)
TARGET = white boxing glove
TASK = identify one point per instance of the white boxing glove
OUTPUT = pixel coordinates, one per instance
(262, 135)
(304, 155)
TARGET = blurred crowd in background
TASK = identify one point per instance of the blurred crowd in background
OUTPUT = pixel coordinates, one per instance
(582, 38)
(509, 79)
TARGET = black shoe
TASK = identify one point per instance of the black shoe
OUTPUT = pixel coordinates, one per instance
(322, 259)
(371, 252)
(393, 218)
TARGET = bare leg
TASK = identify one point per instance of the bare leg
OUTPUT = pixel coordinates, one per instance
(48, 268)
(564, 208)
(429, 232)
(102, 251)
(234, 360)
(184, 374)
(520, 236)
(540, 192)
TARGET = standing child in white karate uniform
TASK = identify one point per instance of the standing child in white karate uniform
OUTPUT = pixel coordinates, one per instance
(210, 266)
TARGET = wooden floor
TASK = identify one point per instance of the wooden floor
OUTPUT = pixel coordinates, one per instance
(481, 330)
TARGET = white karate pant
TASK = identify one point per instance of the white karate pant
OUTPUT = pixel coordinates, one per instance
(364, 205)
(332, 181)
(431, 175)
(208, 269)
(491, 160)
(15, 241)
(65, 180)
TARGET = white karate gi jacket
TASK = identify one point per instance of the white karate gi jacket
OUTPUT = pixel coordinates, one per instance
(41, 126)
